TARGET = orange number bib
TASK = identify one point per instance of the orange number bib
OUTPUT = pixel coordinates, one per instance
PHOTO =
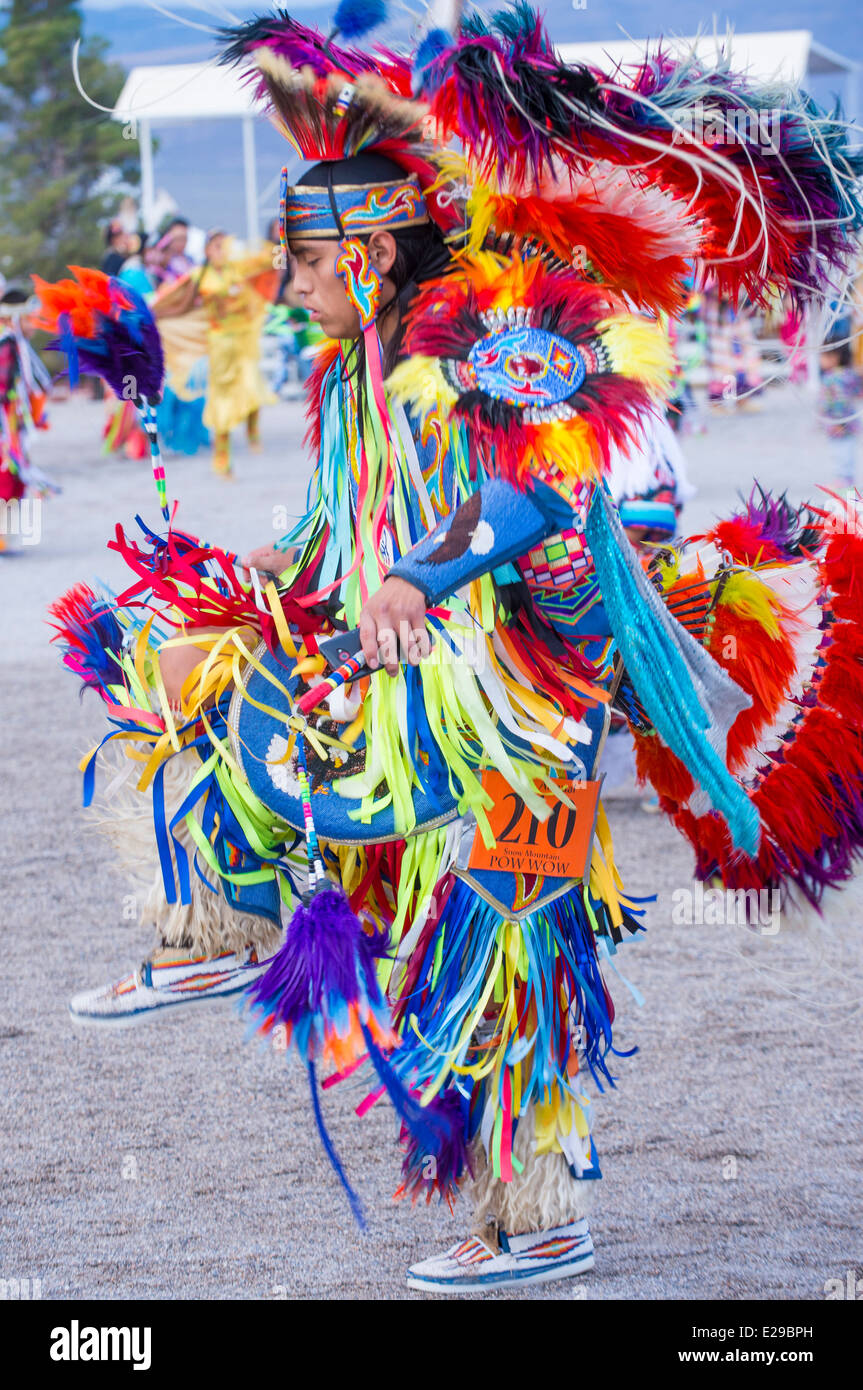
(558, 847)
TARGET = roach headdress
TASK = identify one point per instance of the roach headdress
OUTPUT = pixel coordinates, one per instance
(569, 197)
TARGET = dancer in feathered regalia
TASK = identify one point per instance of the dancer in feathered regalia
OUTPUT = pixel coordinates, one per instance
(488, 238)
(24, 387)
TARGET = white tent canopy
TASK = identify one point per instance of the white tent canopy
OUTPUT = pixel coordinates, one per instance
(791, 55)
(184, 92)
(179, 92)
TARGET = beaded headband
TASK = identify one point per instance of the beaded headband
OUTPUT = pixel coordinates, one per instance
(343, 213)
(352, 210)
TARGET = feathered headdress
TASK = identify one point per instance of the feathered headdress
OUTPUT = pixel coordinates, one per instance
(334, 103)
(762, 184)
(769, 177)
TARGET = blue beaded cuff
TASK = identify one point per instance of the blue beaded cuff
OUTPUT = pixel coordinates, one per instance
(497, 524)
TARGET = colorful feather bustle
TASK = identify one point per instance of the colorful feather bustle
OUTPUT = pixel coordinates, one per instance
(470, 334)
(105, 329)
(750, 633)
(807, 782)
(637, 240)
(774, 179)
(768, 530)
(502, 90)
(771, 179)
(752, 636)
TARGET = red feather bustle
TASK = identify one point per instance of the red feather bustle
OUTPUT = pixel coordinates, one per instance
(809, 788)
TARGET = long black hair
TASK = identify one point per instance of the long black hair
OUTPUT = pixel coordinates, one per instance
(421, 254)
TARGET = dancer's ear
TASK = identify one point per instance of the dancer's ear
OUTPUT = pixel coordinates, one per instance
(382, 251)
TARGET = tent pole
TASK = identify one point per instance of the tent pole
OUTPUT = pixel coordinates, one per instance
(148, 191)
(251, 179)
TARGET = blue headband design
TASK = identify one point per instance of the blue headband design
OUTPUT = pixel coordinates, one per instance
(361, 208)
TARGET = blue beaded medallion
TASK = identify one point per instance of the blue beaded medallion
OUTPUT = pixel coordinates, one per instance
(527, 367)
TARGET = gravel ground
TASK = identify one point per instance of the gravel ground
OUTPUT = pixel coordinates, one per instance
(172, 1161)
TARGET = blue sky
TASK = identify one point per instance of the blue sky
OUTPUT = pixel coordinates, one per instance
(138, 33)
(201, 164)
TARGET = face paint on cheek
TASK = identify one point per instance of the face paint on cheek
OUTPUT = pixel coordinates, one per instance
(361, 281)
(324, 291)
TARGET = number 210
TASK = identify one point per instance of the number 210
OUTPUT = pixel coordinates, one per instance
(556, 836)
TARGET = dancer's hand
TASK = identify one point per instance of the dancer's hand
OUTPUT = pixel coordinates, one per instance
(396, 613)
(269, 560)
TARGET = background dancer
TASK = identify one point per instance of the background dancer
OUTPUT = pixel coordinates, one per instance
(24, 388)
(235, 293)
(839, 410)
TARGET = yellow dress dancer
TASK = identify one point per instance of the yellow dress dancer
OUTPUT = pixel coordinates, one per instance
(235, 295)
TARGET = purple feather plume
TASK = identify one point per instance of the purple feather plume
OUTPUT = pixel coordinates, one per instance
(793, 531)
(298, 44)
(325, 965)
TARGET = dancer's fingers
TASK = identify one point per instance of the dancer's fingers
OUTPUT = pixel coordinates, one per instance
(268, 559)
(369, 638)
(419, 646)
(388, 649)
(388, 619)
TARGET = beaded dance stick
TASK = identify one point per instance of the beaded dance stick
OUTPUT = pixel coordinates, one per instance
(348, 671)
(283, 202)
(317, 873)
(148, 419)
